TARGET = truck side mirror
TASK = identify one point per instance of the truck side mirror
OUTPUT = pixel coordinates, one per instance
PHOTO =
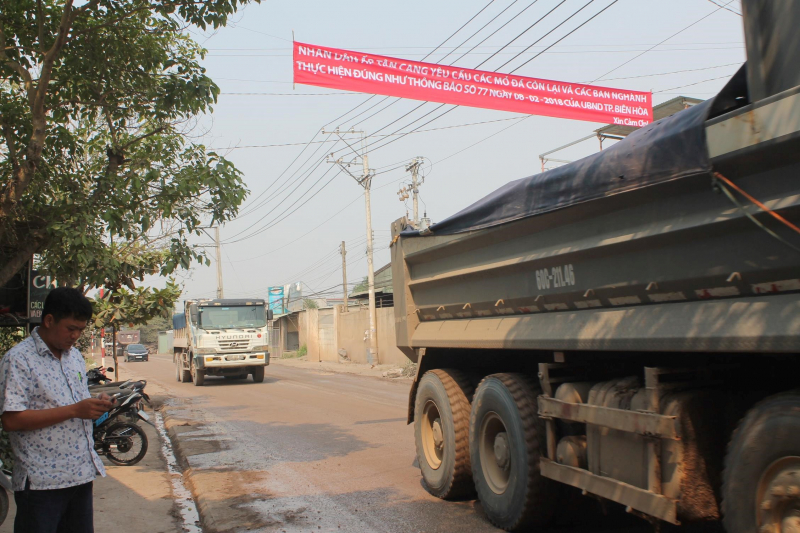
(270, 315)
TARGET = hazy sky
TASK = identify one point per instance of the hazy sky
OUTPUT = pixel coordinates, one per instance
(306, 212)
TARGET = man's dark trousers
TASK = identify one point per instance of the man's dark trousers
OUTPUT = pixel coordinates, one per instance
(68, 510)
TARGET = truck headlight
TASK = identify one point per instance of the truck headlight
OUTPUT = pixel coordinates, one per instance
(204, 351)
(262, 347)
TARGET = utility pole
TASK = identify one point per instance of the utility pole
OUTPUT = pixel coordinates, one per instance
(365, 180)
(220, 293)
(414, 167)
(343, 251)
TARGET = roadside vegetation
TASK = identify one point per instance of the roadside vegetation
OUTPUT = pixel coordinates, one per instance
(101, 173)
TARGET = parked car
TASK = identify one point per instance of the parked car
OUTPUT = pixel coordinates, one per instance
(136, 352)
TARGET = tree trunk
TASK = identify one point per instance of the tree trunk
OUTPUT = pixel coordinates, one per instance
(114, 348)
(18, 260)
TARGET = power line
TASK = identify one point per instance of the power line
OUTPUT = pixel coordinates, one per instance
(452, 108)
(695, 83)
(725, 7)
(293, 94)
(426, 56)
(567, 35)
(659, 44)
(282, 188)
(592, 50)
(478, 31)
(289, 50)
(273, 222)
(673, 72)
(471, 50)
(362, 103)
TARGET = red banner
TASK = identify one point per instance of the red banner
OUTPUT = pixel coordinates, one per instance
(368, 73)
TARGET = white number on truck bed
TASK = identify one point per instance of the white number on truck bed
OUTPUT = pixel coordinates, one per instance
(556, 277)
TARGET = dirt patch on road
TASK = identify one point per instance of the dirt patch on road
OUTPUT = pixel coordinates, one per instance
(226, 498)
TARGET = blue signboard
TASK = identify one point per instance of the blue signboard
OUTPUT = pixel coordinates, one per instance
(276, 300)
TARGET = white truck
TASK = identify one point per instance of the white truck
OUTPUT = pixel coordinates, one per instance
(221, 337)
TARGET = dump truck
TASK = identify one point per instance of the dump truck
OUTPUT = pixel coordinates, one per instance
(627, 325)
(221, 337)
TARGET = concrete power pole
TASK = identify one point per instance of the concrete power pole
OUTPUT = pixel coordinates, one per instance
(343, 251)
(220, 293)
(365, 180)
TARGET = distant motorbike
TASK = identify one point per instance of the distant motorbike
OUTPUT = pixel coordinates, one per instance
(123, 443)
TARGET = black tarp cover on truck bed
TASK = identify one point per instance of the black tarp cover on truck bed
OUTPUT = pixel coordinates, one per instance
(671, 148)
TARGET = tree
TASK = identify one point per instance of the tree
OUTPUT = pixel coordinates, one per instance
(362, 286)
(98, 172)
(124, 307)
(150, 331)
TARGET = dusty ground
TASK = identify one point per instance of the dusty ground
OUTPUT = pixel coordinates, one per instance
(315, 450)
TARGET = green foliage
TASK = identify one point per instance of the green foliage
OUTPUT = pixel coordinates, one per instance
(103, 179)
(9, 337)
(149, 331)
(362, 286)
(308, 303)
(131, 308)
(302, 351)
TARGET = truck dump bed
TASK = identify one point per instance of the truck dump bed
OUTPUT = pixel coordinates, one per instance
(632, 248)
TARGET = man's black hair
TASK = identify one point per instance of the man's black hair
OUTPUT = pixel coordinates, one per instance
(66, 302)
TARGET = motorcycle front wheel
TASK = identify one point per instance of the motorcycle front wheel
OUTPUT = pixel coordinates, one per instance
(3, 504)
(125, 444)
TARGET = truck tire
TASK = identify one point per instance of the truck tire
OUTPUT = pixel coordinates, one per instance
(761, 480)
(183, 375)
(258, 374)
(198, 376)
(506, 439)
(441, 433)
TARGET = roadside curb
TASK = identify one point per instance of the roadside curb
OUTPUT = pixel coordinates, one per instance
(171, 421)
(357, 369)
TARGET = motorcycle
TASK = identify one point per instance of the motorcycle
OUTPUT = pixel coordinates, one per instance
(97, 376)
(123, 443)
(5, 491)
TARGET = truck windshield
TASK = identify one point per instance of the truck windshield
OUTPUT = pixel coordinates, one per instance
(246, 316)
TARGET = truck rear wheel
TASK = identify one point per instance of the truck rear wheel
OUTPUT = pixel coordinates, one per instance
(761, 481)
(182, 375)
(506, 442)
(441, 432)
(258, 374)
(198, 375)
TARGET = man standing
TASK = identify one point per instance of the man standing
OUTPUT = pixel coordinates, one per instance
(48, 411)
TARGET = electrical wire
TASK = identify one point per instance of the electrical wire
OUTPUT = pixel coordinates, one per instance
(696, 83)
(373, 135)
(659, 44)
(362, 103)
(372, 149)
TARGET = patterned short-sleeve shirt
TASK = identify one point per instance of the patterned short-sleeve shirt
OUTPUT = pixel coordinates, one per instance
(61, 455)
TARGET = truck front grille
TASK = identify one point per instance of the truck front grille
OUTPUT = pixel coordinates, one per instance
(241, 345)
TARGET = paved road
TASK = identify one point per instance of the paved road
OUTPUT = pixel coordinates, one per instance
(309, 450)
